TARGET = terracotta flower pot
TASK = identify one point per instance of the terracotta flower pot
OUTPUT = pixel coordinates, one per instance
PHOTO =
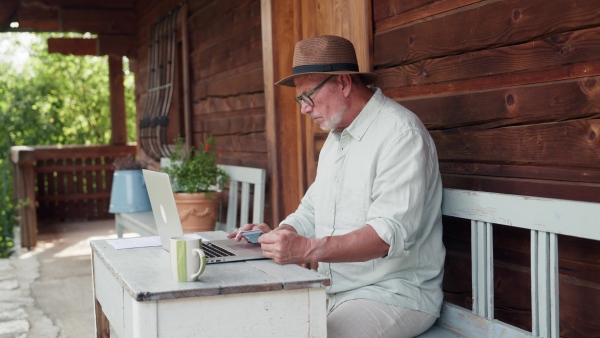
(198, 211)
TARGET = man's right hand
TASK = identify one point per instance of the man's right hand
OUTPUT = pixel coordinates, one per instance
(262, 226)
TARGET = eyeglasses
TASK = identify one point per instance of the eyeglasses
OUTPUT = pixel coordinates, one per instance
(306, 97)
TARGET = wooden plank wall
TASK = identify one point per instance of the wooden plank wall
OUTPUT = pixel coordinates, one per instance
(510, 91)
(226, 76)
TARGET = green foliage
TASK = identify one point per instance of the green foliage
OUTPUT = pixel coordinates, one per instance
(7, 219)
(195, 171)
(51, 99)
(56, 99)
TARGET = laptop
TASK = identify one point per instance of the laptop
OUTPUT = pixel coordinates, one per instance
(168, 224)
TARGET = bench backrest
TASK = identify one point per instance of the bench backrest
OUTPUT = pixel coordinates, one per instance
(546, 218)
(244, 176)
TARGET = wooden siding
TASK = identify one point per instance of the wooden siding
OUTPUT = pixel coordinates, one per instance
(510, 91)
(226, 74)
(226, 77)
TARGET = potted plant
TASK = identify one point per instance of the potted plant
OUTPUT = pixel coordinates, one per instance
(128, 192)
(197, 182)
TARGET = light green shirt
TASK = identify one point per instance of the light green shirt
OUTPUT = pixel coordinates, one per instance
(383, 171)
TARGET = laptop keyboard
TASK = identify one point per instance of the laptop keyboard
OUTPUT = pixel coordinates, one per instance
(211, 251)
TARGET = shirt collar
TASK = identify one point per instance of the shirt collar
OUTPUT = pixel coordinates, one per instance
(361, 123)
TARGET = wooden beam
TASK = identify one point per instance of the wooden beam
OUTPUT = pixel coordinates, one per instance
(75, 46)
(116, 45)
(38, 18)
(8, 9)
(98, 21)
(43, 153)
(117, 101)
(94, 16)
(81, 4)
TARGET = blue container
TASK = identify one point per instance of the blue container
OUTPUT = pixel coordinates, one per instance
(128, 192)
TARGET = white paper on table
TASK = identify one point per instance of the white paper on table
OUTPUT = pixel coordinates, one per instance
(134, 242)
(144, 242)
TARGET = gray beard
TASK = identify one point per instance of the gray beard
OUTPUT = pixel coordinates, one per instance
(333, 121)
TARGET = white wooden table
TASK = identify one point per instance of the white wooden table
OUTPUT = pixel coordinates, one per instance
(136, 295)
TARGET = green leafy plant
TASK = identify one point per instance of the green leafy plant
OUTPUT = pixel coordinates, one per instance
(7, 215)
(7, 224)
(195, 171)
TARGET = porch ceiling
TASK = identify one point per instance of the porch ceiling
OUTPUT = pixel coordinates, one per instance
(102, 17)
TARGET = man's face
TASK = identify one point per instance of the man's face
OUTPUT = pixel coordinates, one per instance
(327, 109)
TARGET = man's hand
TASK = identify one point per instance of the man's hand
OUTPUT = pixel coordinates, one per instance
(262, 226)
(285, 246)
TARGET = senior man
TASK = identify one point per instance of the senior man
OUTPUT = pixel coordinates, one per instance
(372, 218)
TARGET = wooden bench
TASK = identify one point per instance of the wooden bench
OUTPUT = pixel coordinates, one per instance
(545, 218)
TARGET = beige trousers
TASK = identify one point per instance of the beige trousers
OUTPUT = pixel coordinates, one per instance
(367, 318)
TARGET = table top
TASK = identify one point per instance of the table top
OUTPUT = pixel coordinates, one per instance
(145, 274)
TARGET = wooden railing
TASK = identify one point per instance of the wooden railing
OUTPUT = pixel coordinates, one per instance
(58, 183)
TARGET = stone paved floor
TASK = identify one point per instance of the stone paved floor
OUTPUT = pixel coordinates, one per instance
(47, 292)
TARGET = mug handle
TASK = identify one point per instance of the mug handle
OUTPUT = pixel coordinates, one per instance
(200, 253)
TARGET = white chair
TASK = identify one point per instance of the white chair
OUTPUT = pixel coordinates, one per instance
(246, 176)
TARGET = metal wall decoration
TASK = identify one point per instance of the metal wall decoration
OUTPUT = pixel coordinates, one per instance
(161, 75)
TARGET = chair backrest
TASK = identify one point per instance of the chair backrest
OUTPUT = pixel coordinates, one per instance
(246, 177)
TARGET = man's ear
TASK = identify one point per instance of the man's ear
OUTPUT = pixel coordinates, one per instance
(345, 81)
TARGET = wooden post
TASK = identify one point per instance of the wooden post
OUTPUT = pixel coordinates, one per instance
(279, 35)
(117, 100)
(290, 136)
(351, 19)
(23, 159)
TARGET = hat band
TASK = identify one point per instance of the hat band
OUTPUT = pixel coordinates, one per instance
(333, 67)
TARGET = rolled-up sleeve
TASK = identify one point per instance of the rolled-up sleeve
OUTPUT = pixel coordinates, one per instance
(399, 189)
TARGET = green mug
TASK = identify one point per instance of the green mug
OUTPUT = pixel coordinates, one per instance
(187, 258)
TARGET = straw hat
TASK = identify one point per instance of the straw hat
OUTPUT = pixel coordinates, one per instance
(325, 54)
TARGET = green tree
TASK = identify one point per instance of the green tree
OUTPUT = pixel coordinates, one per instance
(52, 99)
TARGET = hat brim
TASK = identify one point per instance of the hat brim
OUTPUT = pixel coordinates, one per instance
(368, 78)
